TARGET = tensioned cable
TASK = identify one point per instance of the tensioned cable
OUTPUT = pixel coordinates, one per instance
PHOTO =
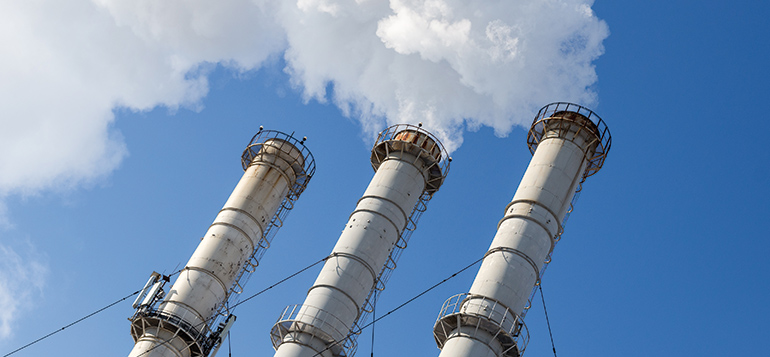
(546, 319)
(73, 323)
(80, 319)
(138, 291)
(398, 307)
(240, 302)
(280, 282)
(229, 345)
(374, 318)
(229, 339)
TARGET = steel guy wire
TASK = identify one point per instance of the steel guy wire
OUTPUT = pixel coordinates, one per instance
(73, 323)
(546, 319)
(80, 319)
(351, 333)
(166, 341)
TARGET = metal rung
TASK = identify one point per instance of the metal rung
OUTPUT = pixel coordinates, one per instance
(237, 288)
(277, 219)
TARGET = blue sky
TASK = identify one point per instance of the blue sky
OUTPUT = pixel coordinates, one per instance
(665, 253)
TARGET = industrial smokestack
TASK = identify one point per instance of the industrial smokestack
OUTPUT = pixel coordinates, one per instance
(192, 317)
(410, 165)
(568, 143)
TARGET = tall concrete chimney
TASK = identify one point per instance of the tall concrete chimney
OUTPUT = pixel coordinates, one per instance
(568, 143)
(189, 320)
(410, 165)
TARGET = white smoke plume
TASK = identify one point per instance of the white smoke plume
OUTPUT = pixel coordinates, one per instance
(444, 62)
(454, 65)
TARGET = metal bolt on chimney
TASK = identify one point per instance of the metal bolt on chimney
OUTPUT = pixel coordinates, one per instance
(189, 320)
(568, 143)
(410, 165)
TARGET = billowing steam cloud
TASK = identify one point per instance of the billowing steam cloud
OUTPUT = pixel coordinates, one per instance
(452, 64)
(444, 62)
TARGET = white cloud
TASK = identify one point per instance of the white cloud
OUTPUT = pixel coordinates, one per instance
(67, 65)
(21, 277)
(451, 64)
